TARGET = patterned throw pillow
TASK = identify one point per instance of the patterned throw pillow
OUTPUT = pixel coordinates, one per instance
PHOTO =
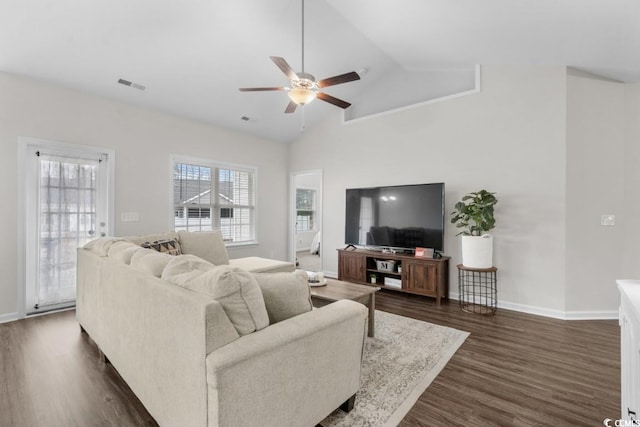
(170, 247)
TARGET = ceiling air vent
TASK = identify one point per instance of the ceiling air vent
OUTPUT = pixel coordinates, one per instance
(131, 84)
(249, 120)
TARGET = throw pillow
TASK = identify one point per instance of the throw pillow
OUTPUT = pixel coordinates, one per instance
(205, 244)
(239, 295)
(285, 294)
(138, 240)
(169, 247)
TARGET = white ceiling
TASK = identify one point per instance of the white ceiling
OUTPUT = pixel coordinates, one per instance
(193, 55)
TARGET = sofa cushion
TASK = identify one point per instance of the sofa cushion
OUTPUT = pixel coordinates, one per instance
(183, 268)
(256, 264)
(205, 244)
(150, 261)
(285, 294)
(122, 251)
(238, 293)
(168, 246)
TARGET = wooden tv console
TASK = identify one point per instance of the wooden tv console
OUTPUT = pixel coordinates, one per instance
(422, 276)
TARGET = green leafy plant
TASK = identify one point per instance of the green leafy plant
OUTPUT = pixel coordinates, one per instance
(474, 213)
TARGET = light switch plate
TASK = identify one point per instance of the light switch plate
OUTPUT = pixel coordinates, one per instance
(607, 219)
(129, 216)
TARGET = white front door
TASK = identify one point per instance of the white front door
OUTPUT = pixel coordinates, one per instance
(66, 205)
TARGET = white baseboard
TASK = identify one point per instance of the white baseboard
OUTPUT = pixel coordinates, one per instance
(9, 317)
(592, 315)
(556, 314)
(539, 311)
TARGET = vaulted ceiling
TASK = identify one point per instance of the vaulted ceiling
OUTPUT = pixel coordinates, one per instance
(193, 55)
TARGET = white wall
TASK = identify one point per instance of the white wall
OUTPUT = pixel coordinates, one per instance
(515, 138)
(143, 141)
(509, 138)
(630, 253)
(595, 186)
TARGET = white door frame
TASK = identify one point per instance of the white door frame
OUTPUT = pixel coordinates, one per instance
(25, 145)
(292, 213)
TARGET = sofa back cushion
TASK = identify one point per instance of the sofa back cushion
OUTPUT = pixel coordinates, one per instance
(122, 251)
(101, 245)
(207, 245)
(184, 268)
(150, 261)
(285, 294)
(238, 293)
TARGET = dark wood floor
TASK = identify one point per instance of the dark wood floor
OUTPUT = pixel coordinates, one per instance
(517, 369)
(51, 375)
(514, 369)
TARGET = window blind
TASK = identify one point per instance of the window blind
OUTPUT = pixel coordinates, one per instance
(231, 209)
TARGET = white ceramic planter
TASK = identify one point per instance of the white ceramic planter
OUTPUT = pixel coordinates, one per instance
(477, 251)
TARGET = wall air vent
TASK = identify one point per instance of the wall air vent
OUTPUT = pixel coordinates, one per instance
(131, 84)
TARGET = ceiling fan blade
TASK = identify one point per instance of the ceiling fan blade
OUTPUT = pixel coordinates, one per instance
(259, 89)
(285, 67)
(333, 100)
(291, 107)
(336, 80)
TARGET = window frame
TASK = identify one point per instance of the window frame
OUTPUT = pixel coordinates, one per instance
(216, 165)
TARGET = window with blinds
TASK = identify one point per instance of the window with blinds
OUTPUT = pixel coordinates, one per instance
(215, 197)
(305, 209)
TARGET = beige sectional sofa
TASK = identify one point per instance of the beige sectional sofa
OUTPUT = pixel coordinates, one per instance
(203, 342)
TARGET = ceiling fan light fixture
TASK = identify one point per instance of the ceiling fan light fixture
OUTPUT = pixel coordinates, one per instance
(304, 87)
(302, 95)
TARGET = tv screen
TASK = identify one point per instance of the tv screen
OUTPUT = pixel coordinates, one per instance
(400, 217)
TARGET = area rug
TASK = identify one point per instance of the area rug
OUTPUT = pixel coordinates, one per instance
(399, 364)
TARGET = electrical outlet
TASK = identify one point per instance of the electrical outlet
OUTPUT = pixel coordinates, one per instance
(607, 220)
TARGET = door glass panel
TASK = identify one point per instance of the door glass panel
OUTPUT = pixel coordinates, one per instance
(67, 213)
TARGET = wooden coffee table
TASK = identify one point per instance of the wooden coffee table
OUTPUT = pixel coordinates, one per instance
(336, 290)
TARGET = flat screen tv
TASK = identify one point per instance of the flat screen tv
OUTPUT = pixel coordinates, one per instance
(400, 217)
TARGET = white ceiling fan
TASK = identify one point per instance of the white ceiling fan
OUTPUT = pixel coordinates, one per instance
(304, 87)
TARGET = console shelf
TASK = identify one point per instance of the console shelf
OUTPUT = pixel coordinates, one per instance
(384, 272)
(422, 276)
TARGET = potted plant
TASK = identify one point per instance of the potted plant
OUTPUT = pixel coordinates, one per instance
(474, 215)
